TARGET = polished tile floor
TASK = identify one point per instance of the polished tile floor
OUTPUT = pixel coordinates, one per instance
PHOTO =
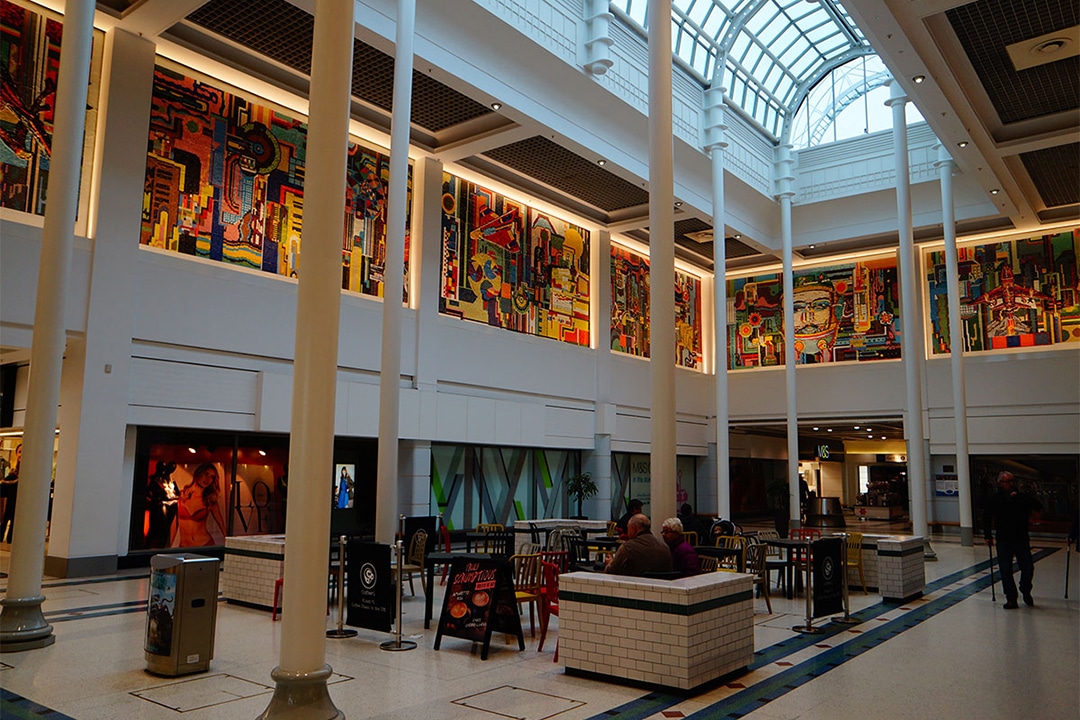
(953, 653)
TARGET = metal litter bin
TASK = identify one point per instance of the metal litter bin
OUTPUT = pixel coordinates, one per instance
(181, 613)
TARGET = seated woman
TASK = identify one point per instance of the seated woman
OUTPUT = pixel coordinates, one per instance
(198, 500)
(684, 558)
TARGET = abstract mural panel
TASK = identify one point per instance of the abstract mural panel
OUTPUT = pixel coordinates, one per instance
(630, 309)
(29, 65)
(511, 266)
(1016, 293)
(846, 312)
(225, 181)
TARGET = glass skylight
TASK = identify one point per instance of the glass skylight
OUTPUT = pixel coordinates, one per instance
(770, 47)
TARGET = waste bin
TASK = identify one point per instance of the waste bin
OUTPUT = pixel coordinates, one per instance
(181, 613)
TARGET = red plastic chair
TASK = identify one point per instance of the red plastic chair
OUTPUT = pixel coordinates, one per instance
(559, 558)
(800, 556)
(549, 603)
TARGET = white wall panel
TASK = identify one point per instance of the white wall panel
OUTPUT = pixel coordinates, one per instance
(163, 384)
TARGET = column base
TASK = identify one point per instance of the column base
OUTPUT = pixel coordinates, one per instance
(301, 696)
(967, 536)
(22, 626)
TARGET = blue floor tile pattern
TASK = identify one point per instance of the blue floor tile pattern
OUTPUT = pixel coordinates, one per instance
(736, 706)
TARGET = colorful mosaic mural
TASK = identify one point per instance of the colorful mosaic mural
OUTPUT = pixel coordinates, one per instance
(630, 309)
(843, 313)
(512, 266)
(1017, 293)
(225, 181)
(29, 65)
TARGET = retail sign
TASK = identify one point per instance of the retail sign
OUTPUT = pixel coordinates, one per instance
(896, 458)
(946, 485)
(822, 451)
(371, 590)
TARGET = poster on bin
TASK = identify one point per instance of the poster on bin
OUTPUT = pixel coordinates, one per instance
(829, 574)
(479, 600)
(160, 611)
(371, 590)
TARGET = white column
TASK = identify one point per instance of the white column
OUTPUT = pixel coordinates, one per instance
(910, 321)
(598, 462)
(661, 263)
(785, 177)
(716, 144)
(386, 515)
(302, 673)
(956, 344)
(22, 626)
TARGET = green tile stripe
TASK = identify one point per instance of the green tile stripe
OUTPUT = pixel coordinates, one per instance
(664, 608)
(255, 554)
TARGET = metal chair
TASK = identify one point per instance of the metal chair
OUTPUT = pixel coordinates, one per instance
(854, 557)
(413, 562)
(527, 585)
(559, 558)
(755, 565)
(708, 563)
(732, 563)
(691, 537)
(498, 542)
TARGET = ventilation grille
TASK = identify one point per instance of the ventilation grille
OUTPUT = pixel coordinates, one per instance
(1056, 174)
(987, 27)
(281, 31)
(557, 167)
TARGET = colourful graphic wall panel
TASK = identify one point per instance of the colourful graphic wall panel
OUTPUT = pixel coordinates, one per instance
(1016, 293)
(512, 266)
(225, 181)
(846, 312)
(630, 309)
(29, 66)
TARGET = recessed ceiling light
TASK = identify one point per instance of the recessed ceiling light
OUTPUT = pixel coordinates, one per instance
(812, 246)
(678, 203)
(737, 236)
(869, 429)
(496, 105)
(829, 430)
(995, 191)
(601, 162)
(263, 453)
(962, 143)
(918, 79)
(882, 437)
(191, 450)
(856, 427)
(815, 428)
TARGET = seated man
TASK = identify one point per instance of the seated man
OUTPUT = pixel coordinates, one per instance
(690, 521)
(632, 508)
(641, 553)
(684, 558)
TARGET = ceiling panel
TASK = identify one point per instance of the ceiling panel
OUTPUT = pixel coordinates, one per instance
(1056, 173)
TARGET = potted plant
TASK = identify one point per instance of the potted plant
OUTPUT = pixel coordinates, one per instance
(777, 497)
(580, 488)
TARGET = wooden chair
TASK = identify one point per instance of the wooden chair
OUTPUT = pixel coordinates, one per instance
(774, 557)
(854, 557)
(413, 562)
(527, 584)
(732, 563)
(708, 563)
(549, 602)
(755, 565)
(498, 542)
(577, 550)
(489, 527)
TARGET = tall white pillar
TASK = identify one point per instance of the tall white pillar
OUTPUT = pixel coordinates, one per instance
(301, 676)
(785, 178)
(22, 626)
(662, 466)
(910, 320)
(716, 143)
(945, 166)
(386, 515)
(598, 462)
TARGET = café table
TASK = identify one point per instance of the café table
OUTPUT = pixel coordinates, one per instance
(441, 558)
(792, 547)
(724, 552)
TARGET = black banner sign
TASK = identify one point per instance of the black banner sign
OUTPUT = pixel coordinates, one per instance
(829, 574)
(479, 600)
(371, 587)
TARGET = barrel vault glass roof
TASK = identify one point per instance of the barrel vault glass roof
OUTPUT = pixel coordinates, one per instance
(770, 51)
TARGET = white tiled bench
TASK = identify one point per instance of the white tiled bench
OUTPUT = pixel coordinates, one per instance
(673, 633)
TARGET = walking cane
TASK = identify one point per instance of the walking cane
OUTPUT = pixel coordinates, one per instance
(990, 551)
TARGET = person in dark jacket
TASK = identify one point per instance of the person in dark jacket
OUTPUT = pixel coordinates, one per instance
(632, 508)
(1007, 512)
(684, 558)
(641, 553)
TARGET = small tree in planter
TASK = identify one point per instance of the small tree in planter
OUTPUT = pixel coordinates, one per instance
(580, 488)
(777, 496)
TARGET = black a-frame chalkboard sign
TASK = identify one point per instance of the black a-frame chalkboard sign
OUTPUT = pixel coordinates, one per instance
(479, 600)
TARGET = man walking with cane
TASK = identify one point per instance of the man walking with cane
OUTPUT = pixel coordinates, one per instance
(1007, 511)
